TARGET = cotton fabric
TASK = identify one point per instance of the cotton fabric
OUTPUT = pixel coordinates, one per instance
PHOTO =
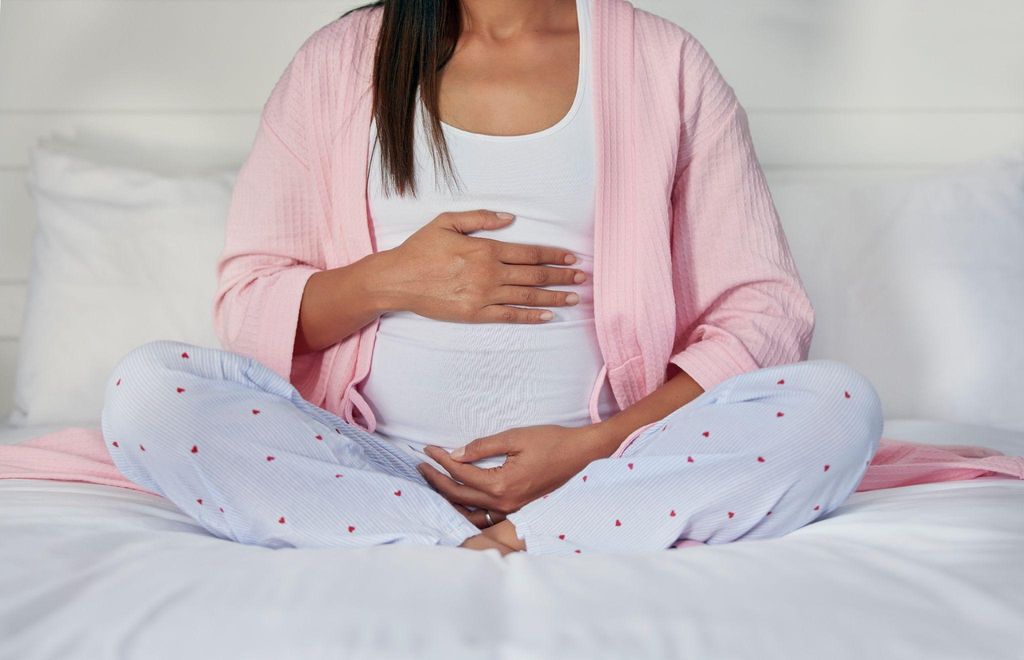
(447, 383)
(236, 447)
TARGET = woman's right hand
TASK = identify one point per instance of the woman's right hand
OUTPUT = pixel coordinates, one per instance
(441, 273)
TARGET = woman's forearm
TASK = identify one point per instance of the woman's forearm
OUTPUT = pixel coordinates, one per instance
(605, 436)
(337, 303)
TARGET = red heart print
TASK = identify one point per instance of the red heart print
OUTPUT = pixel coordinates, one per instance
(270, 458)
(630, 466)
(782, 381)
(618, 523)
(576, 551)
(689, 459)
(338, 475)
(706, 433)
(195, 449)
(221, 509)
(846, 394)
(281, 520)
(672, 513)
(255, 411)
(731, 514)
(319, 437)
(142, 448)
(180, 389)
(561, 537)
(185, 355)
(817, 506)
(768, 514)
(584, 477)
(779, 414)
(115, 443)
(827, 466)
(760, 459)
(398, 493)
(200, 500)
(118, 382)
(351, 528)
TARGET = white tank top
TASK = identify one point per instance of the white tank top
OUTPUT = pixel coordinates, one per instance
(446, 383)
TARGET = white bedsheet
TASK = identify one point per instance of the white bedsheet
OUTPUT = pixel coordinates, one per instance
(929, 571)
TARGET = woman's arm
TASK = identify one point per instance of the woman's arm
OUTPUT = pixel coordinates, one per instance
(604, 437)
(741, 304)
(337, 303)
(274, 241)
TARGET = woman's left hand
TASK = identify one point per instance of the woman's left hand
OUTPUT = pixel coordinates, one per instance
(539, 459)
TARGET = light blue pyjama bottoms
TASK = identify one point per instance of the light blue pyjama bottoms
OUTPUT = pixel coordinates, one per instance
(237, 448)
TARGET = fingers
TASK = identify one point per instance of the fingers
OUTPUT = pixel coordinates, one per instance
(476, 516)
(509, 314)
(541, 275)
(534, 297)
(455, 492)
(496, 516)
(485, 447)
(465, 222)
(523, 253)
(467, 473)
(479, 516)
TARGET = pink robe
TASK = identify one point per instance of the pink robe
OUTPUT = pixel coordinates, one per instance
(691, 266)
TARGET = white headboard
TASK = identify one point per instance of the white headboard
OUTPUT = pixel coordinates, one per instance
(849, 87)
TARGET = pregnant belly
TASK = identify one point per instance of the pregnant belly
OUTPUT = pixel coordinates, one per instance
(433, 382)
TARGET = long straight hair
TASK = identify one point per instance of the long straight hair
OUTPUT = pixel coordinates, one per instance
(417, 38)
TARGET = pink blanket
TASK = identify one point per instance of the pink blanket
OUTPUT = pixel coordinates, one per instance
(78, 454)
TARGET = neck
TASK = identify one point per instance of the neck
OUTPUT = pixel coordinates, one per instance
(504, 19)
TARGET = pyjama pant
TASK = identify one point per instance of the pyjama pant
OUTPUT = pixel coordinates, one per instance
(236, 447)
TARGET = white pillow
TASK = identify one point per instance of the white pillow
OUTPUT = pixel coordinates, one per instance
(120, 256)
(919, 284)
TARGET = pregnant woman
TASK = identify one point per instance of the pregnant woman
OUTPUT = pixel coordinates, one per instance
(499, 275)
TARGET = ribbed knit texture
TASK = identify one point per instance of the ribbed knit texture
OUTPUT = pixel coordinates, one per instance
(691, 264)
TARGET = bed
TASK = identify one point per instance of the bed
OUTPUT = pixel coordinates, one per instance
(926, 571)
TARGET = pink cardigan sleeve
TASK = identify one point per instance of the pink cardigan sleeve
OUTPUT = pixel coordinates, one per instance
(740, 302)
(273, 241)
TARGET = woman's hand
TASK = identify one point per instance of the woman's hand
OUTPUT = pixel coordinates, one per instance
(540, 459)
(440, 273)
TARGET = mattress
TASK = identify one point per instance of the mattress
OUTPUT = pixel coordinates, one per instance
(927, 571)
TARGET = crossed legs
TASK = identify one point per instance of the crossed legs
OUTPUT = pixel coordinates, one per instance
(235, 446)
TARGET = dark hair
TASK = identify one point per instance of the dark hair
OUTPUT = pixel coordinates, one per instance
(416, 39)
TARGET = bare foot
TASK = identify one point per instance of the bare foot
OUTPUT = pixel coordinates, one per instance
(482, 542)
(505, 533)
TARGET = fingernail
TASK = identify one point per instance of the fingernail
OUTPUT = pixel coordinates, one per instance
(579, 277)
(458, 453)
(572, 298)
(570, 258)
(504, 216)
(547, 315)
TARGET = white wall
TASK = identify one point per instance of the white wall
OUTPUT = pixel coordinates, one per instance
(848, 85)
